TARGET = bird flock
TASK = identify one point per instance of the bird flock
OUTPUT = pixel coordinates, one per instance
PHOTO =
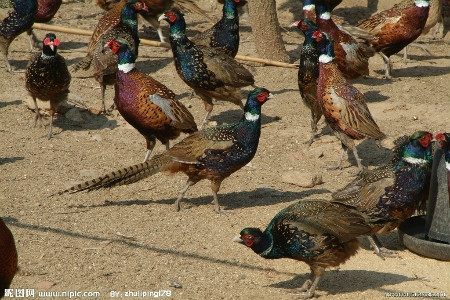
(321, 233)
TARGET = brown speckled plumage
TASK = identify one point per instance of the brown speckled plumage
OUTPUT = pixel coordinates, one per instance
(318, 232)
(343, 106)
(8, 258)
(119, 23)
(394, 191)
(395, 28)
(352, 57)
(47, 77)
(214, 153)
(308, 73)
(148, 105)
(209, 72)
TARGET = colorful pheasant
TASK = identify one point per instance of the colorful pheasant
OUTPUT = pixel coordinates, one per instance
(396, 28)
(119, 23)
(224, 35)
(48, 78)
(211, 73)
(318, 232)
(394, 191)
(343, 106)
(214, 153)
(148, 105)
(308, 73)
(352, 57)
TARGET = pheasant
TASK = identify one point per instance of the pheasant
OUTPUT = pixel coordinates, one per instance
(118, 23)
(352, 57)
(148, 105)
(209, 72)
(318, 232)
(394, 191)
(343, 106)
(46, 10)
(48, 78)
(434, 16)
(214, 153)
(8, 258)
(224, 35)
(18, 19)
(308, 73)
(156, 8)
(395, 29)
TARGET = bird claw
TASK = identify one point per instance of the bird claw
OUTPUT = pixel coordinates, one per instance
(384, 252)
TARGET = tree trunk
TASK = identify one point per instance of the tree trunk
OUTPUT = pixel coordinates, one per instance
(266, 30)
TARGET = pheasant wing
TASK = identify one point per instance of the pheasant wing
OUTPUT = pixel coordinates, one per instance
(226, 68)
(355, 118)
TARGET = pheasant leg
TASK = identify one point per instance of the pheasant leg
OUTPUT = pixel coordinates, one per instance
(388, 66)
(180, 197)
(379, 249)
(37, 115)
(8, 66)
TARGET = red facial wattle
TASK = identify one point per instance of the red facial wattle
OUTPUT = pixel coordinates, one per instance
(49, 42)
(262, 97)
(248, 239)
(425, 140)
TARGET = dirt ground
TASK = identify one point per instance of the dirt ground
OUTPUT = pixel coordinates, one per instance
(131, 238)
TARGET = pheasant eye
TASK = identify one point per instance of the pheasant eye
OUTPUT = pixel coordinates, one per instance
(47, 41)
(56, 42)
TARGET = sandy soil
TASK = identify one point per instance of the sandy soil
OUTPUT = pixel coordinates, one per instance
(131, 238)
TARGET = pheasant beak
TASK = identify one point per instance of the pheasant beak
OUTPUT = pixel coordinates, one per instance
(161, 17)
(238, 239)
(271, 96)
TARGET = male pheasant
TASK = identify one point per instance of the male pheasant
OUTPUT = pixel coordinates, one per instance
(343, 106)
(210, 72)
(308, 73)
(8, 258)
(48, 78)
(224, 35)
(118, 23)
(46, 10)
(19, 18)
(148, 105)
(394, 191)
(352, 57)
(395, 28)
(214, 153)
(318, 232)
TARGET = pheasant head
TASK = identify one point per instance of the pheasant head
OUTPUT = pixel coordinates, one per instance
(50, 44)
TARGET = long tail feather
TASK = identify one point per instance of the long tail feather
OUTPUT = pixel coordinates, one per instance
(123, 176)
(84, 64)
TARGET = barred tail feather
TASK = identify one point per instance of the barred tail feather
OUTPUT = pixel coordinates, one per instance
(123, 176)
(84, 64)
